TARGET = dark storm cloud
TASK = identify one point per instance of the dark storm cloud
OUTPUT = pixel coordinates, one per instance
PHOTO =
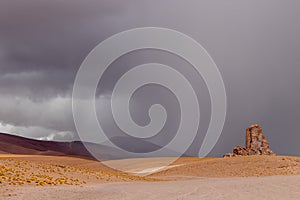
(51, 39)
(254, 43)
(42, 44)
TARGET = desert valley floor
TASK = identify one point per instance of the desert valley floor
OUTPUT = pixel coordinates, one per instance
(62, 177)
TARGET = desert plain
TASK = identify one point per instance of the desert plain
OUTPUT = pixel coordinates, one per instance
(64, 177)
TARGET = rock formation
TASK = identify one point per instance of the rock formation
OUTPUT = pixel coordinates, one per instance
(256, 144)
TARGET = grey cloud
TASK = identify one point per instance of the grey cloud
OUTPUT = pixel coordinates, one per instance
(55, 113)
(58, 136)
(254, 43)
(52, 38)
(22, 130)
(36, 132)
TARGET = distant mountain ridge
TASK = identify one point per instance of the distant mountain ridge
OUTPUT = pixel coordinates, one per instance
(20, 145)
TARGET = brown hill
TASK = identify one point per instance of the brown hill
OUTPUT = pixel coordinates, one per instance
(19, 145)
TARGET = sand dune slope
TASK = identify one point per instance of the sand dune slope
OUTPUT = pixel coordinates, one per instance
(244, 166)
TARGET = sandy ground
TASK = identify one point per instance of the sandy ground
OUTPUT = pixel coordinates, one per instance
(275, 187)
(244, 166)
(56, 177)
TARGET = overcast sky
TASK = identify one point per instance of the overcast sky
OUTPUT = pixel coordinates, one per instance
(254, 43)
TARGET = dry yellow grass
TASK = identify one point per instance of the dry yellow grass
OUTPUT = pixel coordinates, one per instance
(19, 172)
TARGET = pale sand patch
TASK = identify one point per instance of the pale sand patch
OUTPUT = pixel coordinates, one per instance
(271, 188)
(151, 170)
(141, 166)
